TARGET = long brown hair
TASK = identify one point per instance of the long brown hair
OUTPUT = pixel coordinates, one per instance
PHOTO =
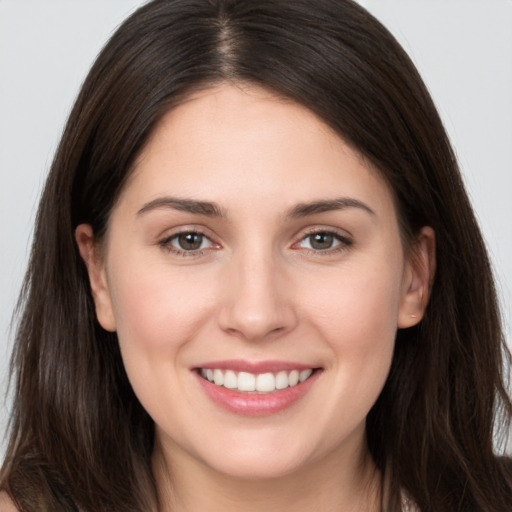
(79, 438)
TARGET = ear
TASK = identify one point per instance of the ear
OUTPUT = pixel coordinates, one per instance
(419, 271)
(94, 261)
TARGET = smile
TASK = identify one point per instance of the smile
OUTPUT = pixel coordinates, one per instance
(258, 383)
(256, 389)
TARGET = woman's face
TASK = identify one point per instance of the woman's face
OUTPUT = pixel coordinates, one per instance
(252, 246)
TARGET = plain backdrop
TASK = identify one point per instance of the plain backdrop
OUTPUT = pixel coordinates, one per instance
(463, 49)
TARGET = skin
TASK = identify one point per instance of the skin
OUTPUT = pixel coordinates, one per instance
(257, 290)
(6, 504)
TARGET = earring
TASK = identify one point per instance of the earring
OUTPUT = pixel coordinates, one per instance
(412, 316)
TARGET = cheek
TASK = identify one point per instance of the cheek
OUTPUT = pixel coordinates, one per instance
(357, 318)
(158, 310)
(157, 306)
(358, 302)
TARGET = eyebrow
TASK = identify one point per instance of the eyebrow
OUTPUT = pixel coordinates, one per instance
(211, 209)
(206, 208)
(327, 205)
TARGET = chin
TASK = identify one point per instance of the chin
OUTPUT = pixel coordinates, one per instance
(273, 455)
(259, 468)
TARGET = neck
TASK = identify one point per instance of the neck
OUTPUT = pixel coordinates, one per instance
(185, 484)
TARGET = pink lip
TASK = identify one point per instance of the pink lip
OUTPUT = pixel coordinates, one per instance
(253, 404)
(241, 365)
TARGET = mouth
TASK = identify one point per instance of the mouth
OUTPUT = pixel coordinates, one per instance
(256, 389)
(258, 383)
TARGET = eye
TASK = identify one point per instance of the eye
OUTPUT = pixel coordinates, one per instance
(326, 241)
(191, 242)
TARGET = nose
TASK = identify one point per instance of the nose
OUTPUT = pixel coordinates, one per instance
(257, 299)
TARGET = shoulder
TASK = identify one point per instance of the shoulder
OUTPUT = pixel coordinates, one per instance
(6, 504)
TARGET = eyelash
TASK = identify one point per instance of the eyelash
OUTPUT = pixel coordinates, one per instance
(166, 243)
(344, 243)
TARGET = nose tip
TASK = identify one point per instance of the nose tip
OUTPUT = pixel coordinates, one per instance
(257, 305)
(253, 326)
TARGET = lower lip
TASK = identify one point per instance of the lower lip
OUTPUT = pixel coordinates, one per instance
(247, 404)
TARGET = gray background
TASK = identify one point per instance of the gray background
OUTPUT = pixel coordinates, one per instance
(463, 49)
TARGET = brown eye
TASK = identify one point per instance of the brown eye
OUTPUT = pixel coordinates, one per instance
(190, 241)
(321, 241)
(325, 241)
(187, 242)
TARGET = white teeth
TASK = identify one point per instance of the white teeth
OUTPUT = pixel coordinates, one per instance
(261, 383)
(304, 374)
(281, 380)
(293, 378)
(218, 377)
(265, 382)
(246, 381)
(230, 380)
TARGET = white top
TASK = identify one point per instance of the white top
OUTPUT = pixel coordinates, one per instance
(408, 505)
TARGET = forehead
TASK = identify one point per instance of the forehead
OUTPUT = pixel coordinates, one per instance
(229, 141)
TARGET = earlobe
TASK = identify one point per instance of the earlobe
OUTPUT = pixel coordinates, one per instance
(418, 278)
(95, 265)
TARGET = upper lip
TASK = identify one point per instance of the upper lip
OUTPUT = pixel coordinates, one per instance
(256, 367)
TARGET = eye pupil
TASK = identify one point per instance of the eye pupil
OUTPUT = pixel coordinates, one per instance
(321, 240)
(190, 241)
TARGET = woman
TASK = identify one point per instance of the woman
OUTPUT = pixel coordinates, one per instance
(256, 281)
